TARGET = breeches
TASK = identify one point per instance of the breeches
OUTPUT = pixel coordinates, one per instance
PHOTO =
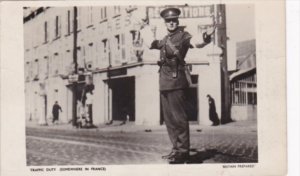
(176, 119)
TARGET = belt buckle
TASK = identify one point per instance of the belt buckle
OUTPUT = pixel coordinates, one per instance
(174, 74)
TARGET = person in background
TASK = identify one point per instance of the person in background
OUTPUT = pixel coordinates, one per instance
(213, 116)
(89, 108)
(55, 111)
(81, 121)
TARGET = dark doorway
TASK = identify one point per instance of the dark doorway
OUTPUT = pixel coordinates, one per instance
(192, 102)
(76, 89)
(123, 98)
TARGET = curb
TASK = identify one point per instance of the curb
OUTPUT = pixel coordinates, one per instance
(236, 127)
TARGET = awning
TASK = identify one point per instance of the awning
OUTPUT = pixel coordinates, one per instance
(241, 72)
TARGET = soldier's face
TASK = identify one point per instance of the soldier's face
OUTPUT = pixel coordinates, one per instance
(172, 24)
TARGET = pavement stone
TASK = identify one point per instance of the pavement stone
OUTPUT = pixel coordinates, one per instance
(130, 144)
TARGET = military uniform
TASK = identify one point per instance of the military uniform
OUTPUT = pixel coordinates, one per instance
(173, 84)
(174, 81)
(170, 63)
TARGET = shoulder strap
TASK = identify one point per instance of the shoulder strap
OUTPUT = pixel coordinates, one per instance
(173, 48)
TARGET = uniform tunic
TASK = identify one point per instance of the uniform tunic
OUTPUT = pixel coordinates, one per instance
(172, 88)
(181, 41)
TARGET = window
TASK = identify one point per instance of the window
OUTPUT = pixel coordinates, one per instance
(36, 69)
(116, 50)
(68, 62)
(252, 98)
(81, 56)
(30, 72)
(105, 51)
(104, 41)
(68, 22)
(103, 13)
(57, 27)
(117, 23)
(45, 32)
(27, 71)
(118, 41)
(46, 67)
(243, 91)
(55, 64)
(97, 54)
(117, 10)
(89, 55)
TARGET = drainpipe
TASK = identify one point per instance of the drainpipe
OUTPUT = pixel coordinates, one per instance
(108, 82)
(74, 104)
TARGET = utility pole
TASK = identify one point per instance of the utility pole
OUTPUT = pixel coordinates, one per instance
(74, 104)
(225, 85)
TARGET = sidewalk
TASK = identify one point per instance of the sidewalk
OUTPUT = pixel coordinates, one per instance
(233, 127)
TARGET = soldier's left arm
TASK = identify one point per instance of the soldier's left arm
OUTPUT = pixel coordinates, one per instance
(196, 43)
(206, 38)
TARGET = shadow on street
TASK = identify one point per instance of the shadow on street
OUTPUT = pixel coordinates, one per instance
(201, 156)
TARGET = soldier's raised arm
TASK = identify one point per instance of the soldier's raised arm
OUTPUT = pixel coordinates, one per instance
(206, 37)
(148, 36)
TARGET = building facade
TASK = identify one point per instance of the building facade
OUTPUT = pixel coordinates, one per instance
(66, 46)
(243, 83)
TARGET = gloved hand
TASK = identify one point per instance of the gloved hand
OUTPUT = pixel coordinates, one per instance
(159, 63)
(206, 37)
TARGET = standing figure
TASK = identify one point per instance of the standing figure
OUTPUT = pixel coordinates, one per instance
(213, 116)
(89, 108)
(173, 81)
(55, 111)
(81, 121)
(125, 115)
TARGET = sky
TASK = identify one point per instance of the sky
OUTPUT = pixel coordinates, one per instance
(240, 21)
(240, 27)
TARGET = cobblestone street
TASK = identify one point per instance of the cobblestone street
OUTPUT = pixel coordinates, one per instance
(128, 144)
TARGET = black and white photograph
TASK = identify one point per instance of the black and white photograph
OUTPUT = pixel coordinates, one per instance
(140, 84)
(130, 88)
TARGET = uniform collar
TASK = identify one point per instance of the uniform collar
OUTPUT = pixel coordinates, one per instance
(179, 29)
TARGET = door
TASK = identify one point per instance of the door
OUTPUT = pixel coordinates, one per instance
(123, 98)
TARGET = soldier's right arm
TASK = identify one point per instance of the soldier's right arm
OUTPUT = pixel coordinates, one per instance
(149, 39)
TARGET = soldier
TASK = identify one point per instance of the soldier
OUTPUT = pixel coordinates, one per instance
(173, 81)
